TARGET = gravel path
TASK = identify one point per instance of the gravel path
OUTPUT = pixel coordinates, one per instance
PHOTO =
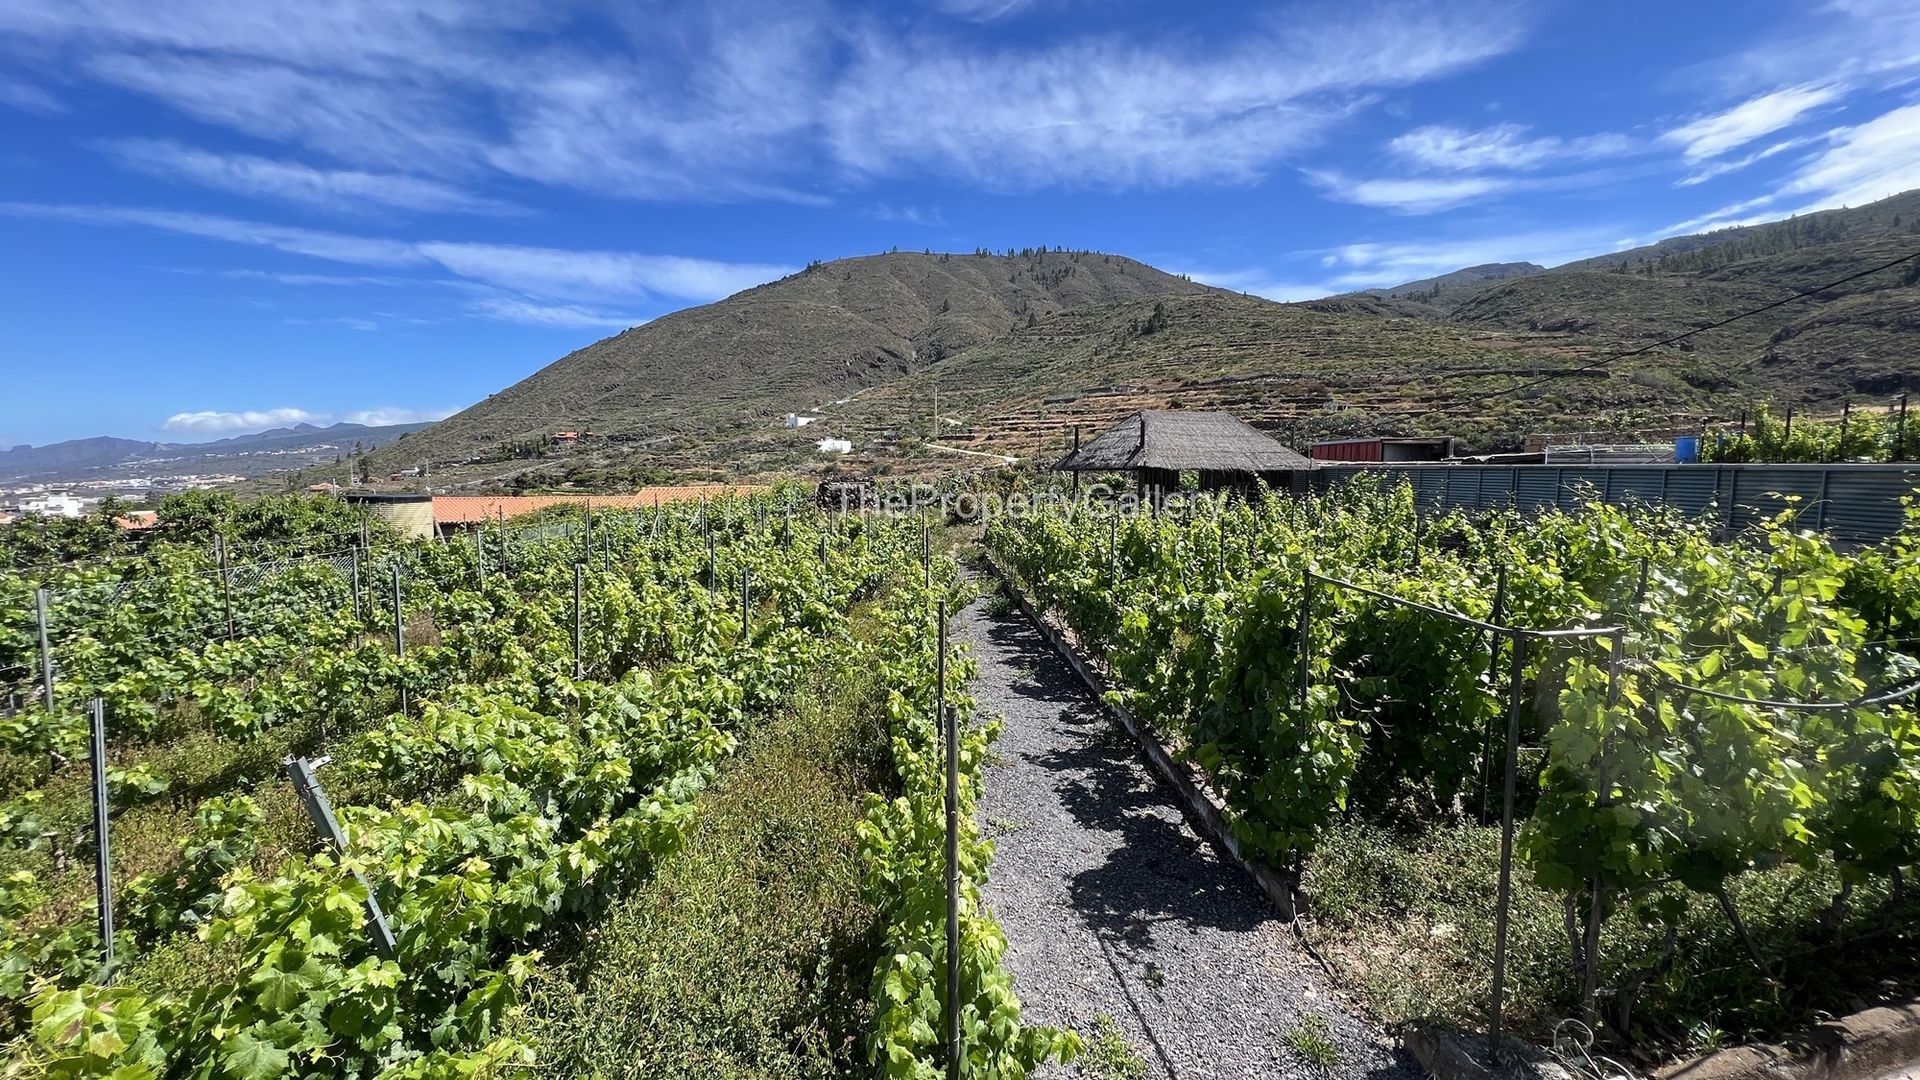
(1114, 907)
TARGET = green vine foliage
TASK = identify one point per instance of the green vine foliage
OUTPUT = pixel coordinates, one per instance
(1865, 436)
(903, 849)
(1663, 771)
(511, 800)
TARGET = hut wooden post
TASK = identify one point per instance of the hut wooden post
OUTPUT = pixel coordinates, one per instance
(1076, 471)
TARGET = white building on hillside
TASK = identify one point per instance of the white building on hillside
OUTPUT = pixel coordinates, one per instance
(54, 504)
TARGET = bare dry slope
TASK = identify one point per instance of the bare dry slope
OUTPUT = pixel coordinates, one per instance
(790, 345)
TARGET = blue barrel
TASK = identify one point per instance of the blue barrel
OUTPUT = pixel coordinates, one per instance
(1686, 449)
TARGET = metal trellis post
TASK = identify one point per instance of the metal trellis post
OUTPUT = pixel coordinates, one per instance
(1306, 641)
(356, 585)
(579, 581)
(41, 600)
(1504, 901)
(399, 634)
(102, 858)
(1498, 617)
(307, 786)
(950, 736)
(226, 579)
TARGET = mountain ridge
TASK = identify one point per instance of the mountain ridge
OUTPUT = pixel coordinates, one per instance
(824, 333)
(72, 459)
(1016, 345)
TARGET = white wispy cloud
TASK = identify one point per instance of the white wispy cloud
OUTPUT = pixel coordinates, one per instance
(549, 272)
(1866, 42)
(982, 10)
(1726, 217)
(349, 322)
(28, 97)
(1501, 147)
(388, 416)
(1716, 133)
(1414, 195)
(1724, 166)
(383, 121)
(214, 421)
(745, 99)
(1381, 264)
(1862, 163)
(908, 215)
(560, 272)
(317, 243)
(299, 280)
(285, 181)
(223, 422)
(1858, 164)
(563, 316)
(1260, 282)
(1106, 112)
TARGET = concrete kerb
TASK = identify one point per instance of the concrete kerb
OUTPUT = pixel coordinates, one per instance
(1205, 815)
(1875, 1043)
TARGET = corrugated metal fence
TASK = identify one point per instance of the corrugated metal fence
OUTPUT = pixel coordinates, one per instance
(1860, 503)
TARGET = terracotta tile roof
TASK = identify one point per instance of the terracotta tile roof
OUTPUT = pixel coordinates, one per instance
(469, 509)
(134, 520)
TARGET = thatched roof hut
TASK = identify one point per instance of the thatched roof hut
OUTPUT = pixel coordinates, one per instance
(1159, 446)
(1184, 441)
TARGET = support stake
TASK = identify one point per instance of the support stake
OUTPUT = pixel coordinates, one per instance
(579, 581)
(307, 786)
(950, 735)
(399, 635)
(102, 858)
(1493, 671)
(226, 579)
(1306, 639)
(41, 600)
(1504, 900)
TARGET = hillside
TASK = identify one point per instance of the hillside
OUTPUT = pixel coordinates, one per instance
(1852, 341)
(1451, 287)
(823, 334)
(1023, 348)
(1304, 371)
(73, 455)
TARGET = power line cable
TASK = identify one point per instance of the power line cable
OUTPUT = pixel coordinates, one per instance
(1606, 360)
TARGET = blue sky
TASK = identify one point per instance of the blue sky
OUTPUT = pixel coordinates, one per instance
(220, 215)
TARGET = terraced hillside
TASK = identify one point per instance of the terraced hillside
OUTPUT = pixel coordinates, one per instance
(1023, 348)
(822, 334)
(1304, 371)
